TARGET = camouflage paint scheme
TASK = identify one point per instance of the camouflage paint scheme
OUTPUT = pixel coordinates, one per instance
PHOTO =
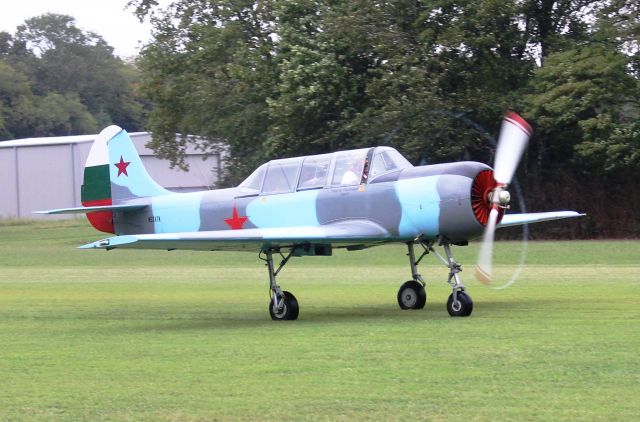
(426, 202)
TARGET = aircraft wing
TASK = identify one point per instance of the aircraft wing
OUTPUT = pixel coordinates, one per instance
(355, 233)
(535, 217)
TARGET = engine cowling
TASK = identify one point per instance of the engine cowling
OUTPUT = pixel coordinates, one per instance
(465, 201)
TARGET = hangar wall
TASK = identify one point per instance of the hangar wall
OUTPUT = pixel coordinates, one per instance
(46, 173)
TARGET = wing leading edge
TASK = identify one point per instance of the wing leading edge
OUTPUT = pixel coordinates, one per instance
(536, 217)
(351, 233)
(84, 210)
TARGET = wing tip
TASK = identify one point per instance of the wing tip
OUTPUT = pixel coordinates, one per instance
(95, 245)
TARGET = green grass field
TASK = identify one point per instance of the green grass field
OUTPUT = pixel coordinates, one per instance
(173, 336)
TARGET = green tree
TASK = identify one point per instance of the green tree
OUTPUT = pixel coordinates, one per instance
(209, 72)
(440, 60)
(310, 76)
(585, 105)
(81, 63)
(618, 26)
(23, 114)
(5, 43)
(322, 79)
(56, 79)
(15, 97)
(553, 25)
(60, 115)
(278, 78)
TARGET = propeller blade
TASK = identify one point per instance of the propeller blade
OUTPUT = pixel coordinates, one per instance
(514, 136)
(483, 267)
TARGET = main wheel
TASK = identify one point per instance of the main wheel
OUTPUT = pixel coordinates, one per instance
(465, 305)
(412, 295)
(289, 310)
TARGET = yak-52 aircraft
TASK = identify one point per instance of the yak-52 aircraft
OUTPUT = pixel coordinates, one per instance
(306, 206)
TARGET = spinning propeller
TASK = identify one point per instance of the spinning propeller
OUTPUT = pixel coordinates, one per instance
(514, 136)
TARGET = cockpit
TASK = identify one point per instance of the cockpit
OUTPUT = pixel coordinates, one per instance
(343, 168)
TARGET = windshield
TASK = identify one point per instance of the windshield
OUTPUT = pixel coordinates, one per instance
(254, 181)
(387, 160)
(282, 176)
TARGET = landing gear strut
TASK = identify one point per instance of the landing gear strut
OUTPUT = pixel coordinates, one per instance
(283, 304)
(412, 294)
(459, 302)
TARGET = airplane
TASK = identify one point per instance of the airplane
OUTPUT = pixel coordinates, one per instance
(307, 206)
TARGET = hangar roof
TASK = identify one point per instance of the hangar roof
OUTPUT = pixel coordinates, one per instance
(58, 140)
(139, 138)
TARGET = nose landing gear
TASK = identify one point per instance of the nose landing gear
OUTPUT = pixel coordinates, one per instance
(459, 302)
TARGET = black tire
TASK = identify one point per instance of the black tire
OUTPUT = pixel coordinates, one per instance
(412, 295)
(466, 305)
(289, 311)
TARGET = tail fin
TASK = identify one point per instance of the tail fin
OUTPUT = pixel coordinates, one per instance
(113, 174)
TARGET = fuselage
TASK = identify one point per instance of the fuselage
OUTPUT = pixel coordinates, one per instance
(405, 201)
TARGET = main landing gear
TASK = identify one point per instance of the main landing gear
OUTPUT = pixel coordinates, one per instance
(412, 294)
(283, 305)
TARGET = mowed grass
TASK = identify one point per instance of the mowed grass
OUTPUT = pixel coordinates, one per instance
(173, 336)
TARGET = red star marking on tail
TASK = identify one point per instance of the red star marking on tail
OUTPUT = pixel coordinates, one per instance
(122, 167)
(236, 222)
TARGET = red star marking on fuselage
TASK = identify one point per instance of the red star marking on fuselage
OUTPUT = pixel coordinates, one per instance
(236, 222)
(122, 167)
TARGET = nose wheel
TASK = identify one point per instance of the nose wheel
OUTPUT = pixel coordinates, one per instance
(459, 305)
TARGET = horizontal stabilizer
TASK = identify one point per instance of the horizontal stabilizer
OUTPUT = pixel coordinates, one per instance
(536, 217)
(83, 210)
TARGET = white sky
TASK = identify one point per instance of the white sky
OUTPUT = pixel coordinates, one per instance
(108, 18)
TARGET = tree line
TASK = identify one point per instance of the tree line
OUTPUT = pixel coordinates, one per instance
(432, 78)
(56, 79)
